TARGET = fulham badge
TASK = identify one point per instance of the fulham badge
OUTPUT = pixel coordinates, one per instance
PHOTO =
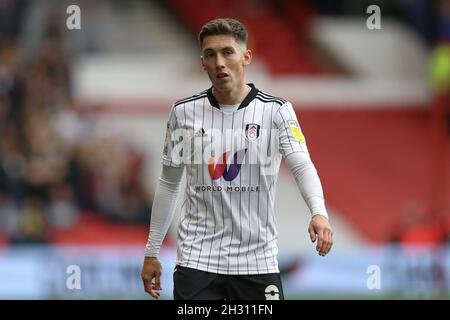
(252, 131)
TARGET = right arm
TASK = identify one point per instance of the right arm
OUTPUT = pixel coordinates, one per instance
(163, 210)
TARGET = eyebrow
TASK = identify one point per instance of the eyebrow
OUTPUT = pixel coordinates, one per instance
(221, 49)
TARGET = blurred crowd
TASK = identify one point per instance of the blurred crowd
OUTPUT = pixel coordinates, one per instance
(416, 227)
(429, 18)
(53, 169)
(420, 239)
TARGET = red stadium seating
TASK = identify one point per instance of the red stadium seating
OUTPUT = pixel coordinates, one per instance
(3, 240)
(373, 164)
(96, 229)
(278, 34)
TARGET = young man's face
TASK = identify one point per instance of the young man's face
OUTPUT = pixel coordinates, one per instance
(225, 60)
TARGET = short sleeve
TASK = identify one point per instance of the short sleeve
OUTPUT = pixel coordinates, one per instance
(290, 135)
(170, 157)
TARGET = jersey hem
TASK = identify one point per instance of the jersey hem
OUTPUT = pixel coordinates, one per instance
(227, 271)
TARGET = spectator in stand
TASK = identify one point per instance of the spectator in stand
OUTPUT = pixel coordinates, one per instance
(415, 228)
(32, 223)
(61, 210)
(46, 180)
(418, 264)
(9, 216)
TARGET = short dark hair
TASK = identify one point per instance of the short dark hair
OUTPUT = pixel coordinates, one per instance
(224, 26)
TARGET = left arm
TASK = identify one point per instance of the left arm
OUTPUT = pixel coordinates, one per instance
(309, 184)
(292, 145)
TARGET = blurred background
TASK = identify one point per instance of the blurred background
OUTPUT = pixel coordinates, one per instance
(82, 123)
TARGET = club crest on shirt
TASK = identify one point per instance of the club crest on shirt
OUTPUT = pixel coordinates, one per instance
(252, 131)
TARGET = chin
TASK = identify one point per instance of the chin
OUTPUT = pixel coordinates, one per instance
(223, 85)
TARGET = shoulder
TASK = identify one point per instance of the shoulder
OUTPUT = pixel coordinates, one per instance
(268, 98)
(191, 99)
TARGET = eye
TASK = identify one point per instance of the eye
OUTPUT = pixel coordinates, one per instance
(209, 55)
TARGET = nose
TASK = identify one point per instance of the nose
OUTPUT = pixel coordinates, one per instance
(219, 62)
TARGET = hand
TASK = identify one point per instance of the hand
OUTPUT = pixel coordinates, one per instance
(152, 270)
(320, 229)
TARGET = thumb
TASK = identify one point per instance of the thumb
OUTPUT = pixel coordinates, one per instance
(312, 233)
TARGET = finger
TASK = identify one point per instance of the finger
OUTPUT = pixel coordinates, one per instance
(147, 284)
(319, 240)
(154, 294)
(328, 242)
(145, 281)
(149, 287)
(153, 291)
(154, 287)
(312, 234)
(158, 280)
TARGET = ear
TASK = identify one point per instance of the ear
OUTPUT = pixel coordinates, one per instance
(247, 58)
(203, 62)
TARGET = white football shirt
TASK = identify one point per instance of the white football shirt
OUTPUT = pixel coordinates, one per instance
(232, 161)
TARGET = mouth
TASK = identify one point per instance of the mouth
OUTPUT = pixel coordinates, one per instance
(222, 75)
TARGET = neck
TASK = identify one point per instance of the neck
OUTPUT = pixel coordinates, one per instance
(234, 96)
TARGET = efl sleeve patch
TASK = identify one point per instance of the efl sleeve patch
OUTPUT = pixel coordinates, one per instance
(296, 131)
